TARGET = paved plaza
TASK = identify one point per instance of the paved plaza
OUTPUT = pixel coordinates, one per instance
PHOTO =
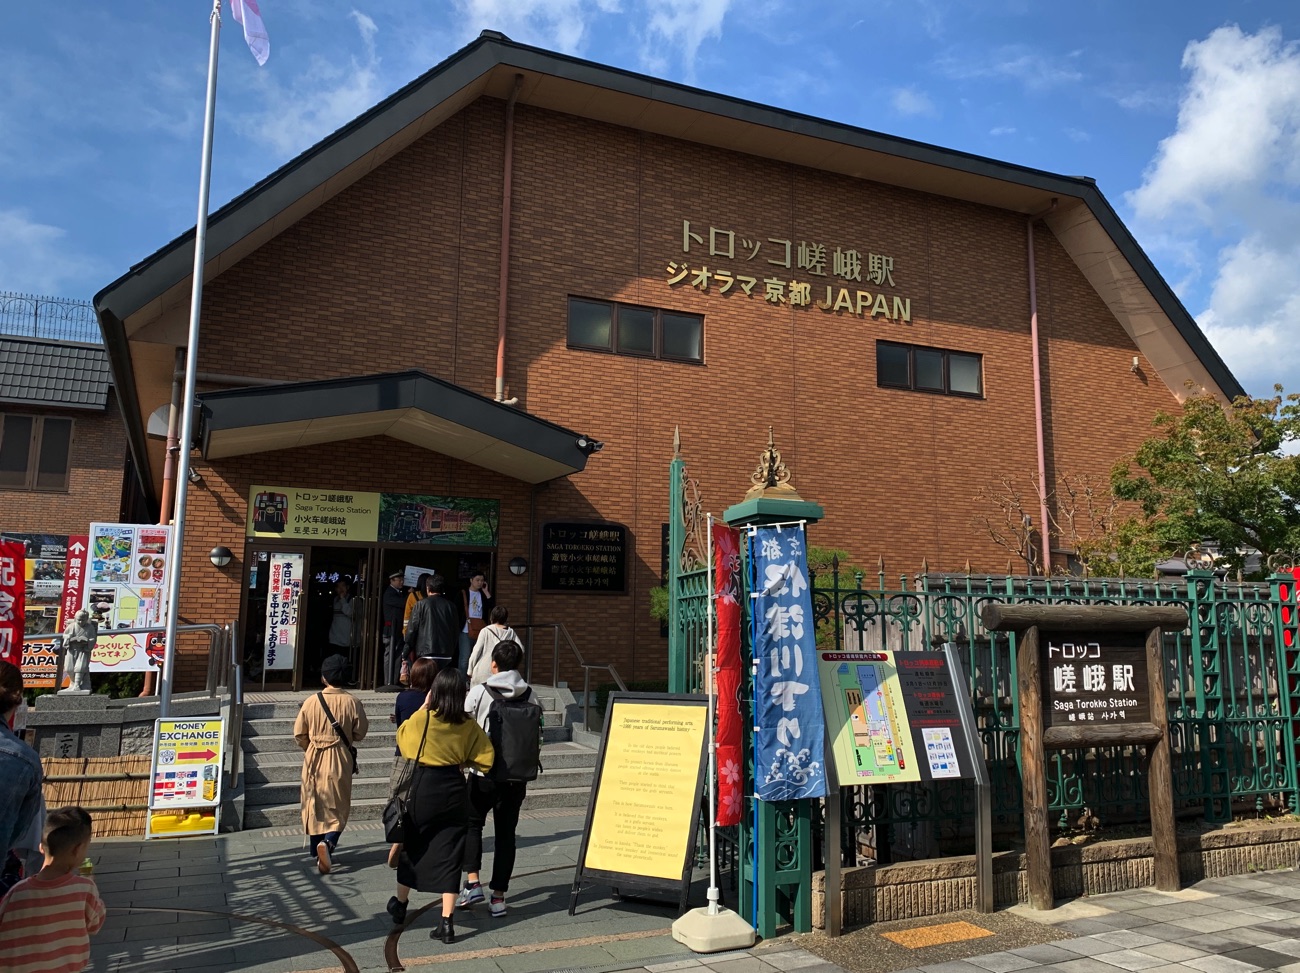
(253, 901)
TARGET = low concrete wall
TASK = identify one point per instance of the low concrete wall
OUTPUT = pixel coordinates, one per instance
(912, 889)
(106, 727)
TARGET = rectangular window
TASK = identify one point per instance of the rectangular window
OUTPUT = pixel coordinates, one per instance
(34, 452)
(929, 369)
(627, 329)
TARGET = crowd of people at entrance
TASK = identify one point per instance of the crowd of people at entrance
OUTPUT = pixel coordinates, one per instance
(469, 734)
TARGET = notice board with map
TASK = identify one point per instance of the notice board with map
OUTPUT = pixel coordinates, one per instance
(895, 717)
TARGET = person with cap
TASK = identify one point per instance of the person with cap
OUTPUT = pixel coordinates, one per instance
(392, 605)
(328, 727)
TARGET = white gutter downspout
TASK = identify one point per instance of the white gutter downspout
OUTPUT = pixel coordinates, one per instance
(1044, 523)
(503, 283)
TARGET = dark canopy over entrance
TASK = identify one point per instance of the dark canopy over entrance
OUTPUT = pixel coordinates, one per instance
(411, 406)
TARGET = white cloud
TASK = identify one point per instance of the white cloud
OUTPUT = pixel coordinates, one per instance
(35, 257)
(1077, 134)
(1003, 130)
(909, 101)
(1036, 71)
(684, 25)
(325, 96)
(1230, 173)
(558, 24)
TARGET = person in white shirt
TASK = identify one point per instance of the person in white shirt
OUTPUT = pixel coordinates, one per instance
(479, 666)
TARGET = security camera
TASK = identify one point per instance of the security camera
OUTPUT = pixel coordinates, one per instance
(590, 446)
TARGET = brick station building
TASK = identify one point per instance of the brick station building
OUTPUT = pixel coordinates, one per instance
(616, 256)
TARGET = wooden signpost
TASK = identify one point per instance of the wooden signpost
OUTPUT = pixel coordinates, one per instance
(1091, 677)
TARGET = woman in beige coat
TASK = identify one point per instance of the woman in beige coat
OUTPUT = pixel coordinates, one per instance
(328, 727)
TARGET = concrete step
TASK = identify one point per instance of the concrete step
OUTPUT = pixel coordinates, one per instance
(286, 766)
(283, 727)
(568, 784)
(370, 809)
(381, 736)
(378, 706)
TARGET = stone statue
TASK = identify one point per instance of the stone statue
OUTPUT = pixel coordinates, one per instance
(80, 639)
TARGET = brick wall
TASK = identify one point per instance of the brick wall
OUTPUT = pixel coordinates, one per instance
(400, 271)
(94, 491)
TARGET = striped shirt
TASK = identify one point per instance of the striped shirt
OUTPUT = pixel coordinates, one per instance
(45, 924)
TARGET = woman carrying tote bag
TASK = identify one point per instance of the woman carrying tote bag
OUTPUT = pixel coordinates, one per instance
(442, 740)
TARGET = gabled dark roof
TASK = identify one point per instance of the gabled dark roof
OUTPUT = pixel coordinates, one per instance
(34, 371)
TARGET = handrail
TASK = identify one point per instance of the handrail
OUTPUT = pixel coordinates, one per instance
(559, 629)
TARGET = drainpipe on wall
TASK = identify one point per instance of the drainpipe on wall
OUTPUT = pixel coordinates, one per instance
(169, 473)
(504, 279)
(1044, 524)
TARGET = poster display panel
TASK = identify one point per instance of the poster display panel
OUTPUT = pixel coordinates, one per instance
(124, 586)
(645, 802)
(13, 572)
(45, 606)
(185, 775)
(283, 596)
(894, 717)
(297, 513)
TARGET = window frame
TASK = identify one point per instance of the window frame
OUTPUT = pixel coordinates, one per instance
(36, 439)
(945, 367)
(612, 347)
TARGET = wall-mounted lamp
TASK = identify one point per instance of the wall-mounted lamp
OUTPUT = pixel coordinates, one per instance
(1135, 366)
(589, 445)
(518, 566)
(195, 476)
(220, 556)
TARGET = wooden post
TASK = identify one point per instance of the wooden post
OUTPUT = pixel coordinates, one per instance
(1160, 778)
(1033, 772)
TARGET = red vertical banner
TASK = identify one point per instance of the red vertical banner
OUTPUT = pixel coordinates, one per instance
(727, 590)
(13, 582)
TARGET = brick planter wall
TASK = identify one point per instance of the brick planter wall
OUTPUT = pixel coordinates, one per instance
(912, 889)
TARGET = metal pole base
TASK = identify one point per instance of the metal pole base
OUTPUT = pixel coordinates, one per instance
(716, 933)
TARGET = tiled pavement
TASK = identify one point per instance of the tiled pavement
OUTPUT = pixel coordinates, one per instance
(253, 901)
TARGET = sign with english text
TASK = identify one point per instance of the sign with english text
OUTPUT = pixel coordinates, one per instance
(790, 727)
(1097, 679)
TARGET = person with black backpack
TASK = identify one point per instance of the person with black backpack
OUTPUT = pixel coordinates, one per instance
(506, 707)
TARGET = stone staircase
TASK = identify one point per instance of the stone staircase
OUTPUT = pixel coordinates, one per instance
(273, 762)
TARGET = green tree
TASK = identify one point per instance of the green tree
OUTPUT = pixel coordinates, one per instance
(1228, 474)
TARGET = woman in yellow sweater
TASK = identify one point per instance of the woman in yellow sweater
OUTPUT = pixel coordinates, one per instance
(443, 741)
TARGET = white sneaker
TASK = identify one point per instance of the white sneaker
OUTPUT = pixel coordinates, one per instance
(469, 895)
(497, 905)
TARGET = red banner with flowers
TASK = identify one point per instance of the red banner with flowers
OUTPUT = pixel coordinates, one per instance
(727, 590)
(13, 581)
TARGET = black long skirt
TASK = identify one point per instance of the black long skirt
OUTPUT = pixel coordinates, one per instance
(435, 834)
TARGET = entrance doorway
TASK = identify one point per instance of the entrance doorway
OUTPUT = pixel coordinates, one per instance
(292, 617)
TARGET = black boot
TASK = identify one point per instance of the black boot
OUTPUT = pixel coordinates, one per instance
(445, 930)
(397, 909)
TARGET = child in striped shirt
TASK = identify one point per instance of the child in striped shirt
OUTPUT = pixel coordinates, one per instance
(46, 920)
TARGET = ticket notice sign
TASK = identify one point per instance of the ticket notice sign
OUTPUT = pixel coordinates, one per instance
(185, 777)
(893, 717)
(645, 803)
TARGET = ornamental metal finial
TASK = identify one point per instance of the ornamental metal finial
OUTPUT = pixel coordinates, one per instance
(771, 479)
(677, 442)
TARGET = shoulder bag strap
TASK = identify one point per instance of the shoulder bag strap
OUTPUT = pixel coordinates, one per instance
(333, 722)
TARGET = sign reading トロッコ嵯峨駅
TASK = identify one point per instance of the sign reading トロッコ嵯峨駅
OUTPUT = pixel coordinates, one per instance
(830, 278)
(1095, 678)
(584, 557)
(296, 513)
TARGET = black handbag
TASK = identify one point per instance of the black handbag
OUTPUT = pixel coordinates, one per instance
(398, 809)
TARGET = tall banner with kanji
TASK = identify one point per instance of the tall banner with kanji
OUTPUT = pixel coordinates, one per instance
(730, 731)
(790, 726)
(13, 579)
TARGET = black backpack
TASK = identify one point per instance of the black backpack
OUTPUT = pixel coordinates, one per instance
(515, 729)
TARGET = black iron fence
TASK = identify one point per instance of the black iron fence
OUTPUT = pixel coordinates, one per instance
(54, 318)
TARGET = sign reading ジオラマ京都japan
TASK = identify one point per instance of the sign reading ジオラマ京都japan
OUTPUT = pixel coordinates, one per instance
(1096, 679)
(830, 278)
(584, 557)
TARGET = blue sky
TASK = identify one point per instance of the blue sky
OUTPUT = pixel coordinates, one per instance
(1187, 112)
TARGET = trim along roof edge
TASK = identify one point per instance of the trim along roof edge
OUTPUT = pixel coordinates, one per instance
(172, 263)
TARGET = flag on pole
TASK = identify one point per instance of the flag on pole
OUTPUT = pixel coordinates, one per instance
(246, 12)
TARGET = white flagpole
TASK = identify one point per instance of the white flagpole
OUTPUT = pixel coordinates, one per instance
(714, 895)
(191, 375)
